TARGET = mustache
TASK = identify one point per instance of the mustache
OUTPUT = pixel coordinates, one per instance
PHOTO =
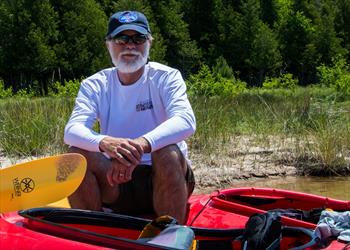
(130, 52)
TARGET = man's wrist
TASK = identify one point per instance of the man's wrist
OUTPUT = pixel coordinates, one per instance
(146, 146)
(101, 145)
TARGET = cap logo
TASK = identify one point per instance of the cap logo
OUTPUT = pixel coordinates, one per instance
(128, 17)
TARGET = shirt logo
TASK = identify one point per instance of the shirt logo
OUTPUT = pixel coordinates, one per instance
(128, 17)
(144, 105)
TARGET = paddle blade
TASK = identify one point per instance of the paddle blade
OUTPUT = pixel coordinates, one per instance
(40, 182)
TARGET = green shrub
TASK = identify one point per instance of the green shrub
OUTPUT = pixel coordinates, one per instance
(67, 89)
(4, 93)
(228, 87)
(200, 83)
(223, 69)
(285, 81)
(25, 93)
(343, 84)
(336, 76)
(206, 83)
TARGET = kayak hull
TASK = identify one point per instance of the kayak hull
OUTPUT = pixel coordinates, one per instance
(216, 219)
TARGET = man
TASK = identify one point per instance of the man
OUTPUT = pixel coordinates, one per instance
(138, 163)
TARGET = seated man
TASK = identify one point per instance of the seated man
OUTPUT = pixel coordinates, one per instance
(138, 163)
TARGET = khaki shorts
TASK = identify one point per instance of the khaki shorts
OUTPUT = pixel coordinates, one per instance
(136, 196)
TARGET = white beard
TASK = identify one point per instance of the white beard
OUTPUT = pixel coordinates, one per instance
(125, 66)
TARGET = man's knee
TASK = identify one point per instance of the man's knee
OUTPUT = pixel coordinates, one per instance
(170, 154)
(77, 150)
(169, 165)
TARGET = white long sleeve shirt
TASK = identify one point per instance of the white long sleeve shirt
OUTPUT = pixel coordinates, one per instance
(155, 107)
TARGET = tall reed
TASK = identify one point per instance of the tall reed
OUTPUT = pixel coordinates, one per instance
(33, 126)
(314, 123)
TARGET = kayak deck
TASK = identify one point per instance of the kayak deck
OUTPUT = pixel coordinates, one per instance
(217, 219)
(240, 203)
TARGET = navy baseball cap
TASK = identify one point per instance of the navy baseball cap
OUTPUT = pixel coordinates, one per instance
(127, 20)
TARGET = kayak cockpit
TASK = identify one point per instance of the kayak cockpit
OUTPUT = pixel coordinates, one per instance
(111, 230)
(117, 231)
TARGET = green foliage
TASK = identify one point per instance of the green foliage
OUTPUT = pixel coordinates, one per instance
(27, 53)
(327, 41)
(57, 40)
(25, 93)
(202, 26)
(264, 55)
(67, 89)
(48, 40)
(295, 32)
(31, 90)
(314, 129)
(33, 126)
(184, 53)
(343, 84)
(342, 24)
(214, 125)
(326, 133)
(269, 11)
(313, 122)
(337, 76)
(80, 46)
(4, 92)
(285, 81)
(205, 83)
(223, 69)
(202, 83)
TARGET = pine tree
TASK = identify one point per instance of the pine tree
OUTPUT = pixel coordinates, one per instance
(182, 52)
(327, 41)
(264, 56)
(295, 33)
(80, 48)
(228, 38)
(202, 20)
(268, 12)
(342, 22)
(28, 54)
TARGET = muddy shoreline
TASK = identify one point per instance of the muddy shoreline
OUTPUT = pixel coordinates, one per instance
(221, 172)
(235, 163)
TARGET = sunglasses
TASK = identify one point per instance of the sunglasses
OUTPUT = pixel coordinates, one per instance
(124, 39)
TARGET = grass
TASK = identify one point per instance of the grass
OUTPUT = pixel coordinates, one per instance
(313, 123)
(33, 126)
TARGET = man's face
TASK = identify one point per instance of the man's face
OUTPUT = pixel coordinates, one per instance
(128, 56)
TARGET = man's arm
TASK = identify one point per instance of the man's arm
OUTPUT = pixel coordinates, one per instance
(78, 131)
(181, 122)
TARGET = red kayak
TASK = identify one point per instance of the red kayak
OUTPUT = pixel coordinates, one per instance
(237, 204)
(217, 221)
(59, 228)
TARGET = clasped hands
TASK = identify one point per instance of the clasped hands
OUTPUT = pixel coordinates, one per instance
(126, 154)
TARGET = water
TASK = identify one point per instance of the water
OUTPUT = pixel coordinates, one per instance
(332, 187)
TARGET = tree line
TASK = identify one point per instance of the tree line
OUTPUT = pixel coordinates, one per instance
(45, 41)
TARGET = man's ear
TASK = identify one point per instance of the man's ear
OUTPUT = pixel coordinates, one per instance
(150, 40)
